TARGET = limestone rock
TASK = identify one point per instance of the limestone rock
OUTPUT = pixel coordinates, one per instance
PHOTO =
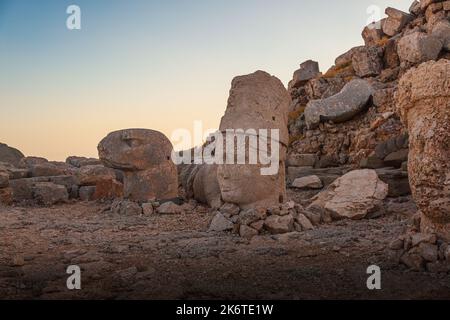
(145, 157)
(46, 170)
(424, 105)
(230, 210)
(169, 208)
(250, 216)
(367, 62)
(28, 162)
(279, 225)
(372, 33)
(341, 107)
(247, 232)
(353, 196)
(442, 31)
(48, 193)
(220, 224)
(108, 189)
(419, 47)
(79, 162)
(10, 155)
(308, 70)
(309, 182)
(301, 160)
(304, 222)
(148, 209)
(126, 207)
(396, 21)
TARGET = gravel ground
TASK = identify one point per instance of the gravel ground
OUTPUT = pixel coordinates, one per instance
(174, 257)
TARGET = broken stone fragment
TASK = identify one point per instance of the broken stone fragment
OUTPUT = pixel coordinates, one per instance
(220, 224)
(48, 193)
(419, 47)
(353, 195)
(341, 107)
(279, 225)
(308, 70)
(10, 155)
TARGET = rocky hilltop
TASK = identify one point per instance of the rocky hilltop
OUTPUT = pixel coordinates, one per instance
(367, 139)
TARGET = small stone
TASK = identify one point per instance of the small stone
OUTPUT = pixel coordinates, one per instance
(279, 225)
(314, 217)
(301, 160)
(220, 224)
(169, 208)
(304, 222)
(125, 207)
(258, 226)
(310, 182)
(147, 209)
(247, 232)
(429, 251)
(419, 47)
(6, 196)
(229, 209)
(247, 217)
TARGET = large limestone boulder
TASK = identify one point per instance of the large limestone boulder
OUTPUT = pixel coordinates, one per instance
(341, 107)
(424, 105)
(145, 158)
(419, 47)
(257, 101)
(10, 155)
(353, 196)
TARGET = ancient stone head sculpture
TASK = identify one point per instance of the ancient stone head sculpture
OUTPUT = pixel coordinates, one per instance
(257, 101)
(424, 105)
(145, 158)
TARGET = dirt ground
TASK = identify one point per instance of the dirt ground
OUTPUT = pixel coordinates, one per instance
(173, 257)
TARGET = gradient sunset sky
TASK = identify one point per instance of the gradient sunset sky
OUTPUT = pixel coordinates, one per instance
(151, 64)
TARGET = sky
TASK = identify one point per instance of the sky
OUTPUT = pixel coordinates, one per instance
(152, 64)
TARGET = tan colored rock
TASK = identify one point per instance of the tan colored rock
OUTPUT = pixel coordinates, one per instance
(10, 155)
(424, 105)
(257, 101)
(279, 225)
(48, 193)
(367, 62)
(419, 47)
(308, 70)
(372, 33)
(91, 175)
(441, 30)
(206, 186)
(396, 21)
(309, 182)
(108, 189)
(145, 158)
(354, 195)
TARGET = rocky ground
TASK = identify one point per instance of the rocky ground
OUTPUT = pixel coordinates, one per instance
(173, 256)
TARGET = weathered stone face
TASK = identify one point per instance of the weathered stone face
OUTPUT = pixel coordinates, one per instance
(145, 157)
(257, 101)
(424, 105)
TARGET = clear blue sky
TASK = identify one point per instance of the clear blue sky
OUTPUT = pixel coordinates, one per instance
(153, 64)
